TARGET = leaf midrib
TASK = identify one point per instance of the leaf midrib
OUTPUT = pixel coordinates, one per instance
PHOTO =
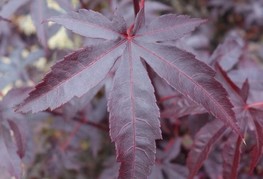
(132, 107)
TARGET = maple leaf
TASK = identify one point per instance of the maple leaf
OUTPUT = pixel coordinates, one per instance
(12, 147)
(213, 165)
(181, 106)
(134, 115)
(175, 104)
(247, 117)
(164, 167)
(228, 53)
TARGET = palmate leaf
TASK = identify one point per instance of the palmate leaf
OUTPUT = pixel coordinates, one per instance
(134, 123)
(247, 117)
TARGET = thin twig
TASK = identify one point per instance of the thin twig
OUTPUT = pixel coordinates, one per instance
(81, 120)
(90, 123)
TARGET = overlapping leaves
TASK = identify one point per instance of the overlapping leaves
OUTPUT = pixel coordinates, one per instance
(247, 116)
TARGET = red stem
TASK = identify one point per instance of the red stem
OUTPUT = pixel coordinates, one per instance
(165, 98)
(82, 121)
(136, 5)
(90, 123)
(71, 137)
(258, 104)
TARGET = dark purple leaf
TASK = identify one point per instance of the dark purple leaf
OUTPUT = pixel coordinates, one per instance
(181, 107)
(231, 156)
(248, 118)
(213, 165)
(205, 139)
(172, 152)
(135, 134)
(18, 138)
(228, 53)
(257, 150)
(94, 24)
(164, 167)
(75, 68)
(132, 93)
(188, 79)
(162, 28)
(244, 91)
(253, 74)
